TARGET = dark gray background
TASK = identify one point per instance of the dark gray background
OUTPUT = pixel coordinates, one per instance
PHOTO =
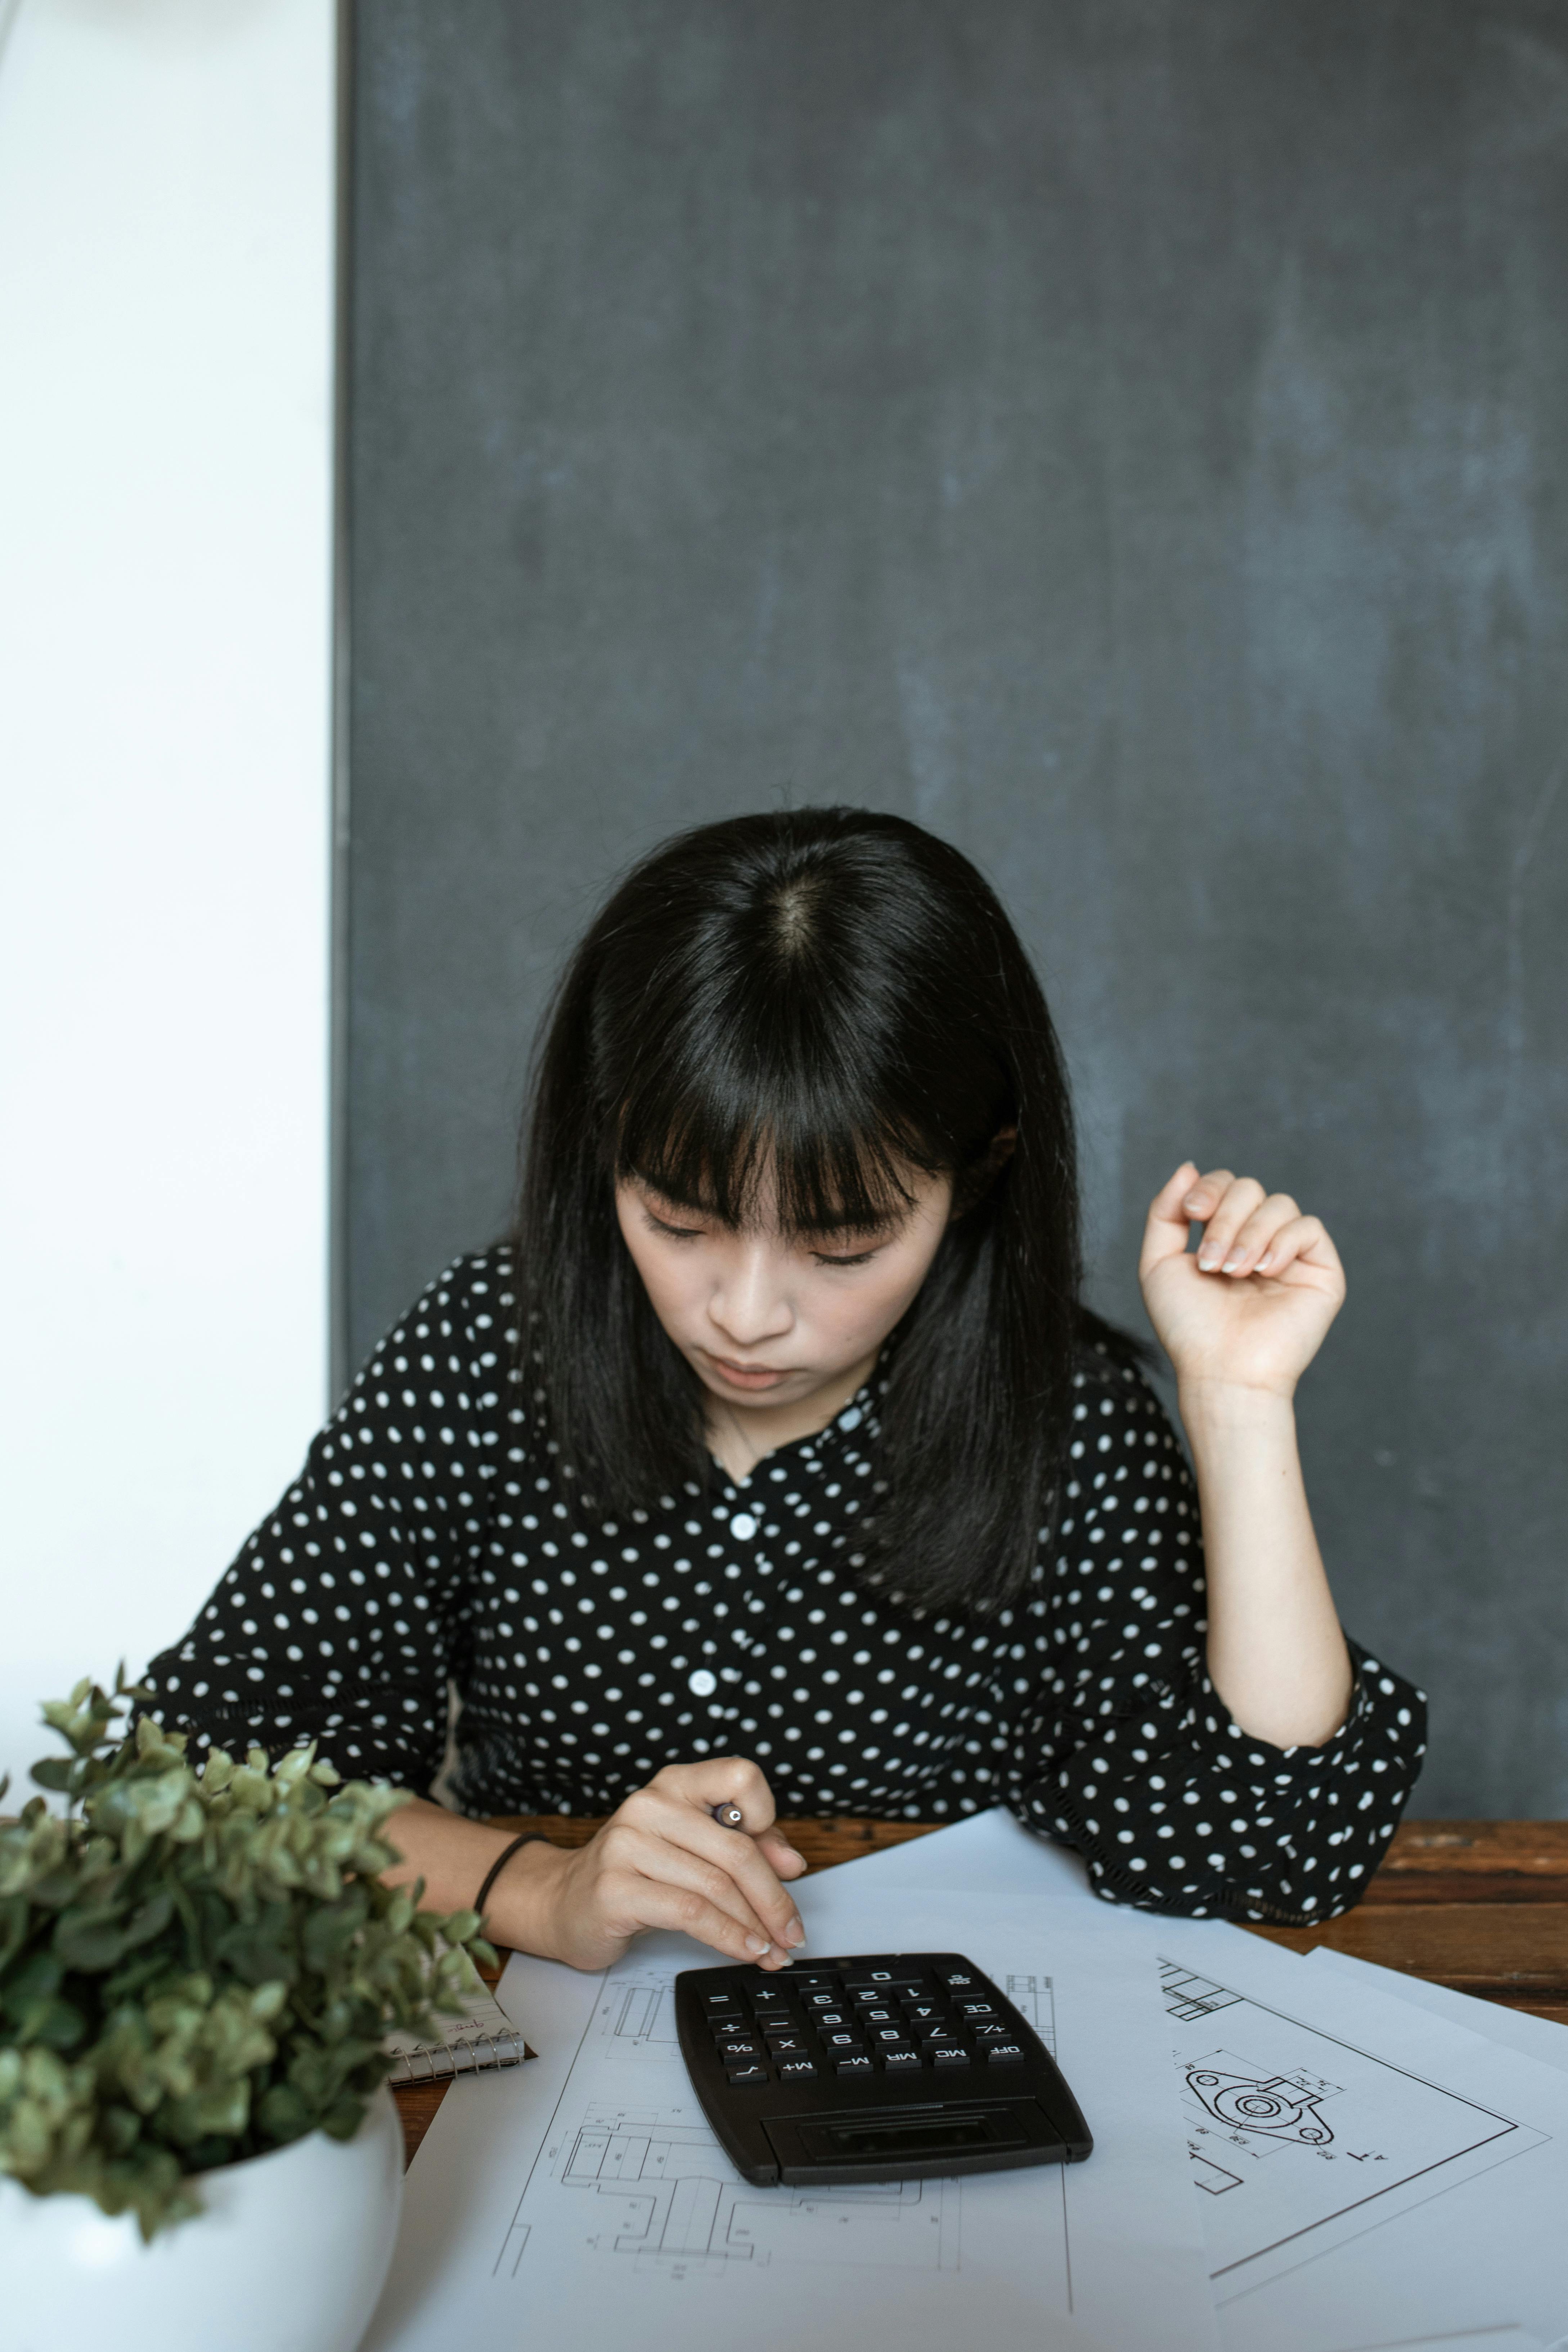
(1128, 438)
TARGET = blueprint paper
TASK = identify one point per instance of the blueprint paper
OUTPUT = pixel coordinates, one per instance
(989, 1853)
(1477, 2240)
(1274, 2050)
(585, 2188)
(1535, 2037)
(1300, 2129)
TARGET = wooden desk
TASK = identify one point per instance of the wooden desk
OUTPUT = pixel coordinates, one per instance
(1480, 1905)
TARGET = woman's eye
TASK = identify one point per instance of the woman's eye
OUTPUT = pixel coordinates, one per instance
(673, 1233)
(861, 1257)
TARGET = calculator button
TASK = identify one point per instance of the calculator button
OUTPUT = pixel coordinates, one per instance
(842, 2043)
(890, 2037)
(943, 2056)
(826, 2020)
(739, 2045)
(861, 2065)
(924, 2013)
(715, 2001)
(748, 2074)
(787, 2045)
(996, 2031)
(1004, 2053)
(960, 1979)
(814, 1979)
(976, 2009)
(902, 2062)
(890, 1980)
(877, 2013)
(814, 2000)
(792, 2069)
(936, 2036)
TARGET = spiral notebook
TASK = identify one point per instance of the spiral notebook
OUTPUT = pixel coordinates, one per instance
(482, 2037)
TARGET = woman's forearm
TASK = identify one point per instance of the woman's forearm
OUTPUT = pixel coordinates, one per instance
(1276, 1653)
(453, 1856)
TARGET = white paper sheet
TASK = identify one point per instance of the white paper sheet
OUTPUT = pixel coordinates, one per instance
(1534, 2037)
(587, 2187)
(1464, 2225)
(989, 1853)
(1467, 2241)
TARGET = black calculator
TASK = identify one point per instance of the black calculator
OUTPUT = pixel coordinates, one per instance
(898, 2066)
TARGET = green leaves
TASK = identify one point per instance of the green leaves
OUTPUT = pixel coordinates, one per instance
(196, 1967)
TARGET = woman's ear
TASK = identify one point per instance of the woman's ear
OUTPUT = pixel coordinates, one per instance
(973, 1184)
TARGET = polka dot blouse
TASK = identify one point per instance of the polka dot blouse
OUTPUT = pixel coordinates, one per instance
(432, 1541)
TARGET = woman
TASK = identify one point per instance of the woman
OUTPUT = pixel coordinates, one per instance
(774, 1460)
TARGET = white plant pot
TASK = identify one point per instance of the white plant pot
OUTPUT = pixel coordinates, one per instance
(289, 2256)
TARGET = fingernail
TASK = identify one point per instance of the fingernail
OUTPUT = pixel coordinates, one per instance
(1233, 1261)
(755, 1943)
(795, 1933)
(1191, 1202)
(1267, 1259)
(1208, 1260)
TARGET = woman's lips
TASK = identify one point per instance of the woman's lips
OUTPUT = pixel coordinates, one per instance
(747, 1376)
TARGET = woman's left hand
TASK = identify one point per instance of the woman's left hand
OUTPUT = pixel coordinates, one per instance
(1251, 1309)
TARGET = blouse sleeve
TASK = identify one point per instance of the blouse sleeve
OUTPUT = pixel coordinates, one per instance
(1125, 1750)
(344, 1614)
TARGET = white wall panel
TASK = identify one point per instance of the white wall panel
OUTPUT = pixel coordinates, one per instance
(167, 245)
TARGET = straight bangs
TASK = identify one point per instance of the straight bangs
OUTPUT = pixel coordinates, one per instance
(787, 1018)
(778, 1074)
(746, 1144)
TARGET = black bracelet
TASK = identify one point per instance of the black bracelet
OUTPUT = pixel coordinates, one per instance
(529, 1837)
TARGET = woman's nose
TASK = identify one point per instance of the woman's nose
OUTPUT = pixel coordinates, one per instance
(751, 1305)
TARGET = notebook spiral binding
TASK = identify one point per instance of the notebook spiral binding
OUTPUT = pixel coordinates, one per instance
(439, 2063)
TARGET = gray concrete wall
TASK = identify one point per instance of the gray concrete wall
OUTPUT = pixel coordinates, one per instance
(1129, 439)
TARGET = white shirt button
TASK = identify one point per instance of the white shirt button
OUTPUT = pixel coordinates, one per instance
(701, 1684)
(742, 1526)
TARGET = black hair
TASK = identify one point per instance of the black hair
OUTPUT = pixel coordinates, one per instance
(825, 998)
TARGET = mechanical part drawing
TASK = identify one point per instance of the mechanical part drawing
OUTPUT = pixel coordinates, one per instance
(1295, 2136)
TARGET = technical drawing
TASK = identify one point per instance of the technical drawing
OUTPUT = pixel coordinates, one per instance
(1290, 2172)
(1189, 1997)
(663, 2191)
(640, 2017)
(1283, 2105)
(1035, 1998)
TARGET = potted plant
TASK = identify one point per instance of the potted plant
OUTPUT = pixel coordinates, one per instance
(198, 1967)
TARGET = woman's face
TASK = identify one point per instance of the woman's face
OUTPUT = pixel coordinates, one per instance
(767, 1319)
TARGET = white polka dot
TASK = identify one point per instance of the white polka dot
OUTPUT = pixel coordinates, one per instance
(702, 1683)
(742, 1526)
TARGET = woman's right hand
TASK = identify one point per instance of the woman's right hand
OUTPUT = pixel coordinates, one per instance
(660, 1860)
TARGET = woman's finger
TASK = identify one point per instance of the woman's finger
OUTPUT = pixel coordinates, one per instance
(1242, 1195)
(738, 1858)
(1258, 1232)
(632, 1903)
(1303, 1240)
(630, 1848)
(1165, 1227)
(721, 1781)
(779, 1852)
(1205, 1193)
